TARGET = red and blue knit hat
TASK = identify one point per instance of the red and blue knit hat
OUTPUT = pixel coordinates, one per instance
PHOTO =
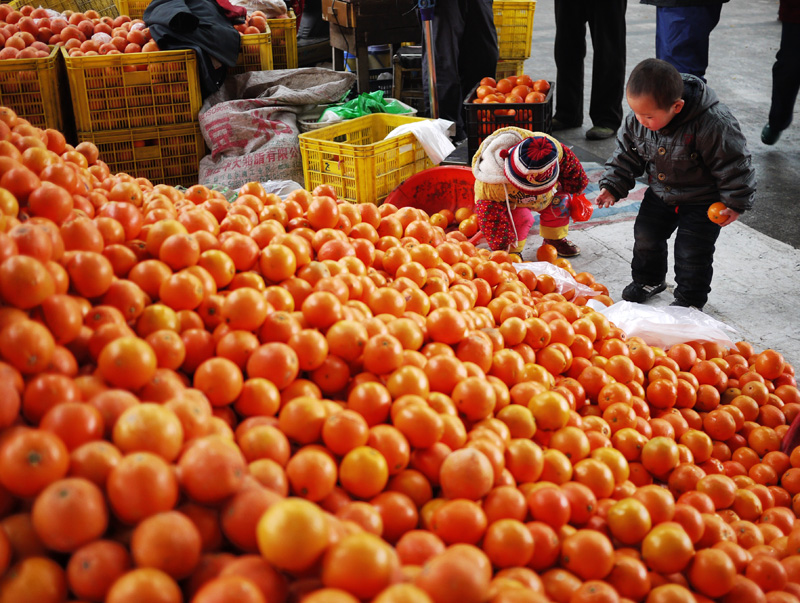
(532, 165)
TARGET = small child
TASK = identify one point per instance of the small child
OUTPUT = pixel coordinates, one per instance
(516, 172)
(694, 154)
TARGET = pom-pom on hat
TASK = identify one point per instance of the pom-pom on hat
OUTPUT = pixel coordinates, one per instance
(532, 165)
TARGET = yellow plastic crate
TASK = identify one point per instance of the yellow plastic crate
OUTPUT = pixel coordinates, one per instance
(255, 54)
(284, 42)
(506, 68)
(354, 158)
(133, 8)
(30, 88)
(105, 8)
(162, 155)
(513, 20)
(140, 90)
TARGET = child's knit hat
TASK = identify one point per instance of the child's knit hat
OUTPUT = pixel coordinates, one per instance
(532, 165)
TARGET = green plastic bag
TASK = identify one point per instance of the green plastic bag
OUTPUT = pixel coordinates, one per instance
(364, 104)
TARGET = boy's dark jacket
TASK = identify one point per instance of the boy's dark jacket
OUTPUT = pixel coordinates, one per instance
(700, 157)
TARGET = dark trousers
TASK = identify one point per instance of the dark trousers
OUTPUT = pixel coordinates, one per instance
(606, 20)
(785, 77)
(682, 36)
(694, 247)
(464, 51)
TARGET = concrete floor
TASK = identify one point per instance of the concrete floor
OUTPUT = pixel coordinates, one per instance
(756, 287)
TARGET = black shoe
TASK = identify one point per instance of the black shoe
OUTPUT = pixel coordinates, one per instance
(682, 304)
(641, 293)
(599, 133)
(769, 135)
(557, 125)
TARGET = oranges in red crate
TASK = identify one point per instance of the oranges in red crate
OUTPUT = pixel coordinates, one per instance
(514, 89)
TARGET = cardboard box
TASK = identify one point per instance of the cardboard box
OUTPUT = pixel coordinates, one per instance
(339, 12)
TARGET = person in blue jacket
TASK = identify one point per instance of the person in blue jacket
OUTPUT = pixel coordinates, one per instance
(683, 28)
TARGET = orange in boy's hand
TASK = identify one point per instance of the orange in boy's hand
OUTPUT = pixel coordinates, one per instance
(714, 212)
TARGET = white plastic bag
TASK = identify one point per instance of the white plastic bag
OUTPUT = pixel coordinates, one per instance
(280, 187)
(432, 134)
(564, 280)
(663, 327)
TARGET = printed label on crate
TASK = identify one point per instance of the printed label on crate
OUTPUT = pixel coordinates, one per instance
(332, 166)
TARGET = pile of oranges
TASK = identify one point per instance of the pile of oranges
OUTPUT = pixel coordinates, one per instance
(286, 400)
(462, 218)
(512, 89)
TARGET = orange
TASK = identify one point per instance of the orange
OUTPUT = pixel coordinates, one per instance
(466, 473)
(667, 548)
(459, 575)
(363, 472)
(293, 534)
(362, 564)
(714, 212)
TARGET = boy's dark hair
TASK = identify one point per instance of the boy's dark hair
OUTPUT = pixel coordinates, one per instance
(657, 79)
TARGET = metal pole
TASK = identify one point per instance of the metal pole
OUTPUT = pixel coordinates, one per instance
(426, 14)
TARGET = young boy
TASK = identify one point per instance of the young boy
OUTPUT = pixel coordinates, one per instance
(694, 154)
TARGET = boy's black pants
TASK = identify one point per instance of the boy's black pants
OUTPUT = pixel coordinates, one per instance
(694, 247)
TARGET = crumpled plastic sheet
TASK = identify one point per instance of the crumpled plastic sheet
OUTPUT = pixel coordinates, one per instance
(564, 280)
(666, 326)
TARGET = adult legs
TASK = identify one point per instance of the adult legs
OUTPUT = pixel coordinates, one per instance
(655, 223)
(569, 53)
(479, 54)
(607, 27)
(448, 25)
(682, 36)
(694, 254)
(785, 78)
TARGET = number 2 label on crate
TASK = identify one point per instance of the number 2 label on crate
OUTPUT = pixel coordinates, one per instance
(331, 166)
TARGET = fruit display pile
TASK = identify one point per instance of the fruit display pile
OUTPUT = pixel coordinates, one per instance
(300, 400)
(25, 33)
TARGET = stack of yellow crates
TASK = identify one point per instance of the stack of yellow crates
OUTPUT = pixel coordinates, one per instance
(141, 109)
(513, 20)
(30, 88)
(284, 42)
